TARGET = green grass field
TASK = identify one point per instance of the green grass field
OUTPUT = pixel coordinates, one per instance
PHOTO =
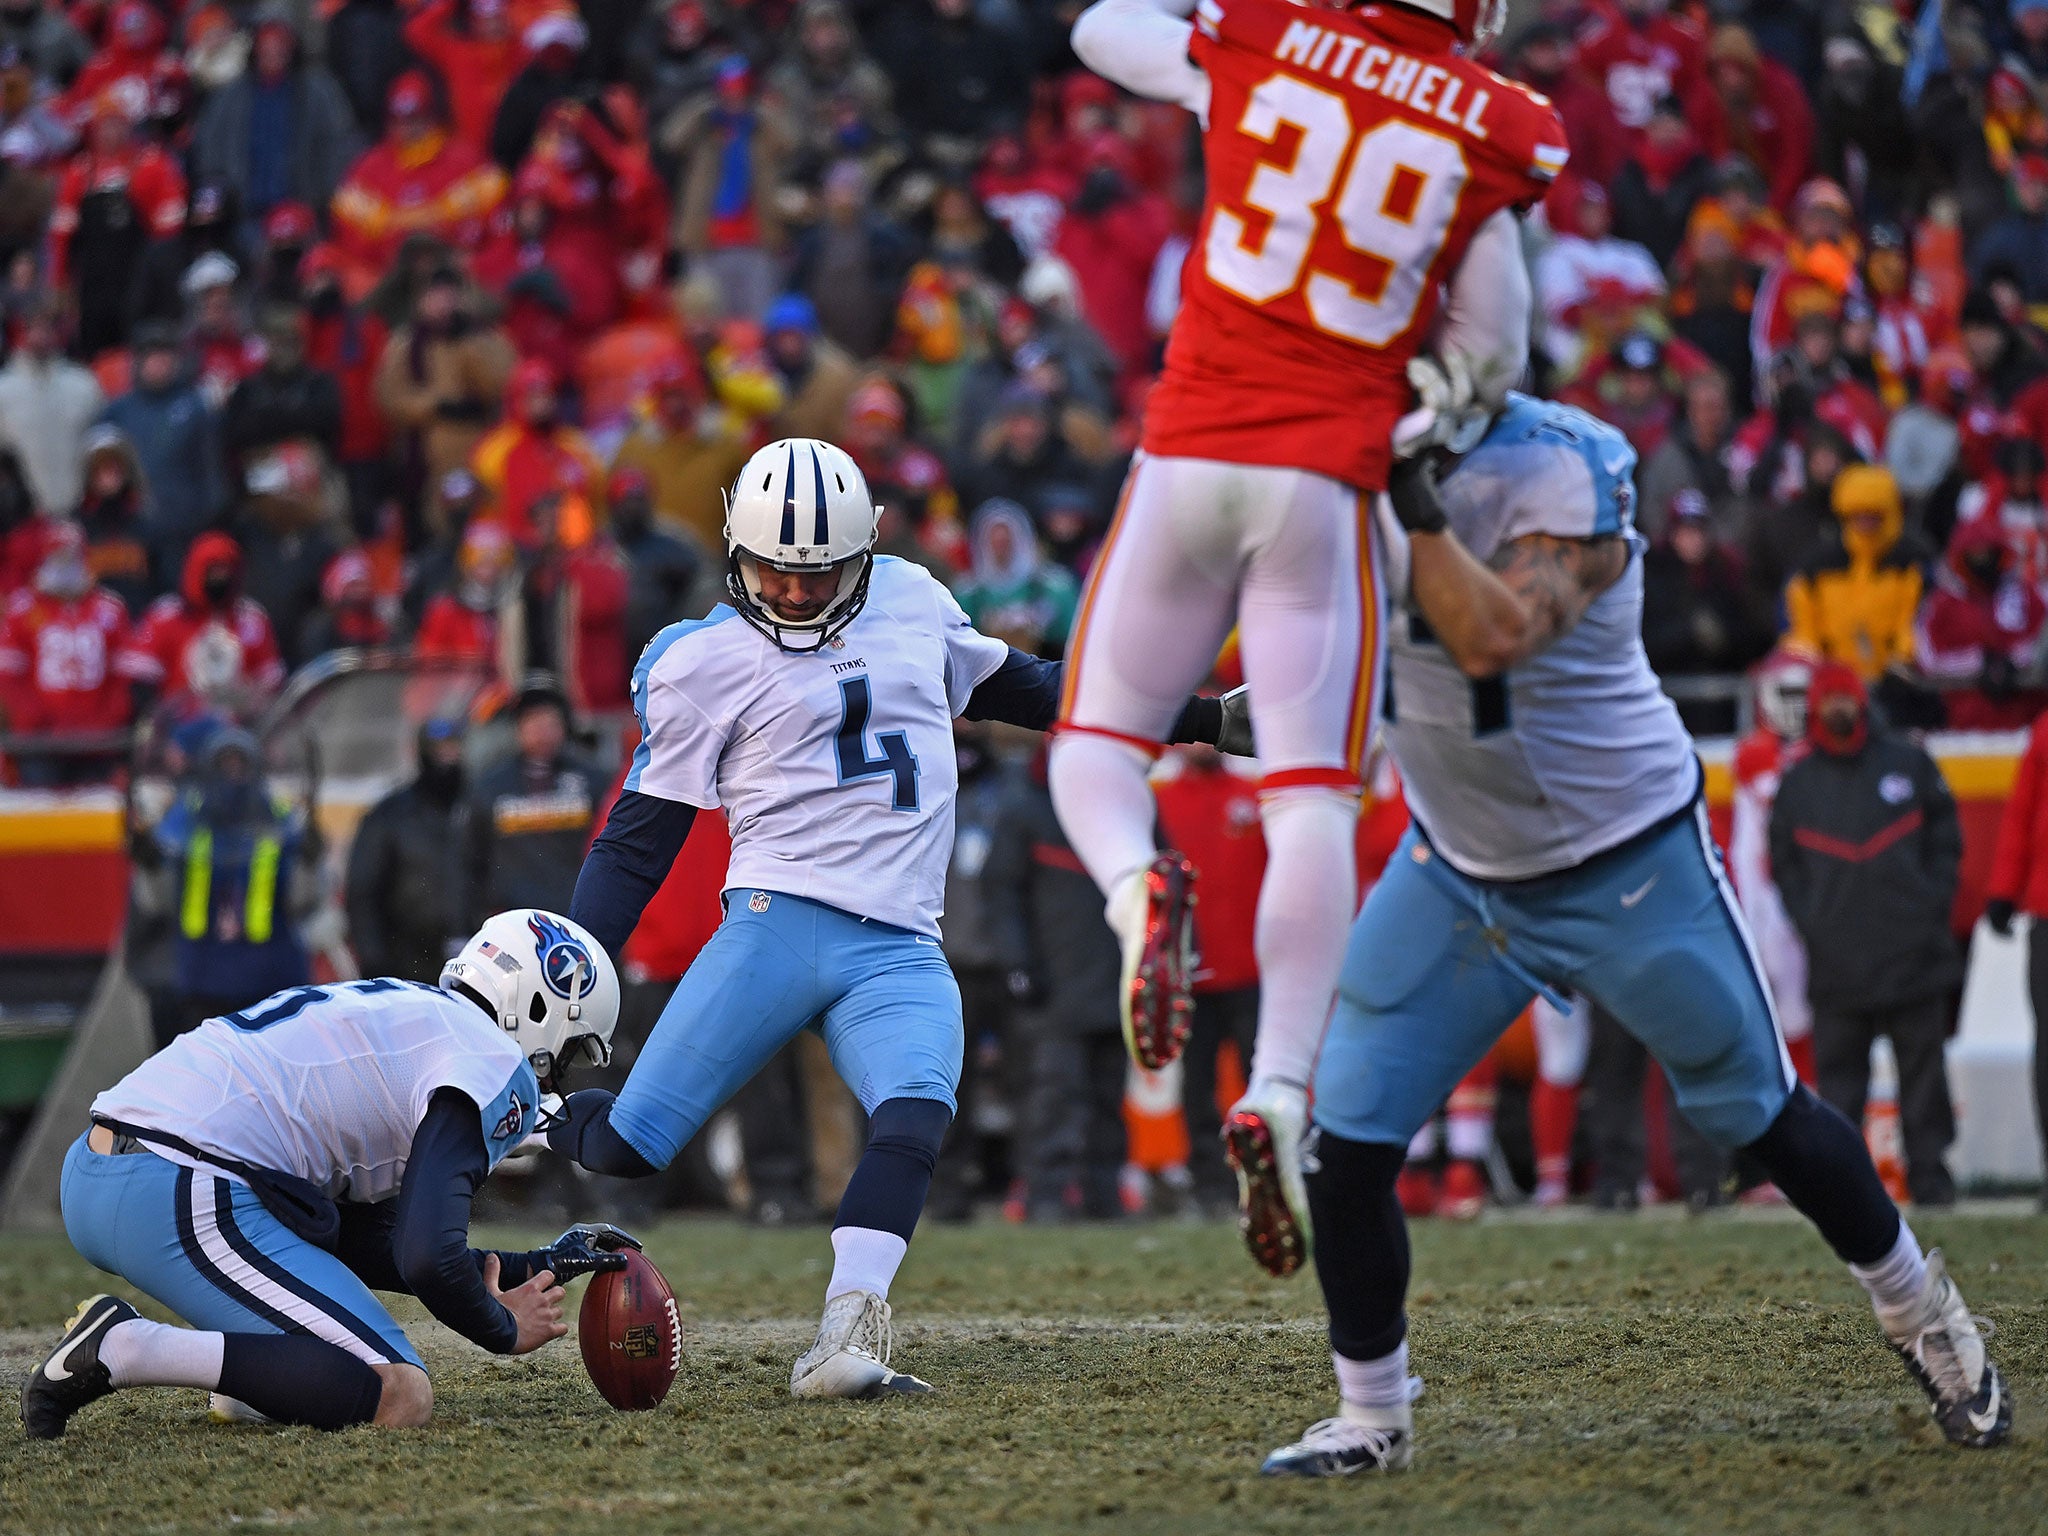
(1584, 1375)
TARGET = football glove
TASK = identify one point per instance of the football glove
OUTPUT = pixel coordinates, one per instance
(1447, 412)
(1235, 738)
(591, 1248)
(1411, 490)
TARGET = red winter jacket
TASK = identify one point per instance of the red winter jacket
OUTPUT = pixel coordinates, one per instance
(2019, 861)
(1212, 816)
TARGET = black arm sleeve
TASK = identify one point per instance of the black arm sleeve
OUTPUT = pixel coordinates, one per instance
(430, 1251)
(1025, 690)
(627, 863)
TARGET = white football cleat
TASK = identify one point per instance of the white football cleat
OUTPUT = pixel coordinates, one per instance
(1943, 1346)
(850, 1357)
(1262, 1135)
(1361, 1440)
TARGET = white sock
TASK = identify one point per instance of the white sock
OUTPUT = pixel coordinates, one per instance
(1896, 1281)
(1374, 1384)
(864, 1259)
(1104, 804)
(139, 1353)
(1471, 1134)
(1422, 1145)
(1306, 903)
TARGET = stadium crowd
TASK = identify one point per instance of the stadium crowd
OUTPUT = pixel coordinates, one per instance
(446, 323)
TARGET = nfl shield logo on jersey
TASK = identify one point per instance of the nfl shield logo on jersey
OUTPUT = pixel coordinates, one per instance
(758, 902)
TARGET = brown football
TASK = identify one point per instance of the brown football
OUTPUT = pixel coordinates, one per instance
(631, 1337)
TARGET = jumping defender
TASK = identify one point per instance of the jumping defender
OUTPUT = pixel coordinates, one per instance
(1560, 843)
(263, 1173)
(817, 709)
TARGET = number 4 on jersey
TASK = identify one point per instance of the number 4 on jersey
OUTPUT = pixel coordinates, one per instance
(896, 760)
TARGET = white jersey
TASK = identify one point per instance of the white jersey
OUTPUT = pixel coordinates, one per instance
(329, 1083)
(1576, 750)
(835, 768)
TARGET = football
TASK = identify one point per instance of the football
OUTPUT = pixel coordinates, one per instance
(631, 1336)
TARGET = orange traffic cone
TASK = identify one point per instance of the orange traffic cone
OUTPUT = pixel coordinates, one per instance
(1881, 1121)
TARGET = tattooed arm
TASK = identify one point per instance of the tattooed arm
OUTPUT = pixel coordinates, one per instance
(1494, 616)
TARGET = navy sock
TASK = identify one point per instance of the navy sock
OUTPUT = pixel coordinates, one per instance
(889, 1183)
(1361, 1242)
(583, 1133)
(1819, 1160)
(295, 1378)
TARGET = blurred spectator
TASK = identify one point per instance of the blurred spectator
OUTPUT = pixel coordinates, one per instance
(1211, 814)
(243, 871)
(731, 154)
(116, 195)
(1022, 455)
(219, 337)
(1657, 186)
(114, 518)
(1111, 235)
(687, 455)
(1584, 263)
(2019, 883)
(471, 45)
(1692, 456)
(349, 615)
(212, 222)
(1545, 58)
(65, 662)
(464, 617)
(346, 341)
(285, 400)
(1862, 137)
(1764, 116)
(1981, 631)
(575, 614)
(1791, 530)
(675, 56)
(835, 95)
(958, 76)
(2018, 242)
(1627, 389)
(207, 638)
(553, 44)
(851, 263)
(439, 384)
(53, 46)
(584, 202)
(1815, 273)
(1027, 191)
(176, 443)
(1065, 970)
(47, 404)
(283, 131)
(818, 378)
(2010, 500)
(1900, 346)
(131, 65)
(367, 51)
(1013, 592)
(1855, 604)
(1865, 849)
(401, 888)
(287, 539)
(529, 817)
(532, 454)
(1640, 54)
(1696, 607)
(415, 180)
(662, 570)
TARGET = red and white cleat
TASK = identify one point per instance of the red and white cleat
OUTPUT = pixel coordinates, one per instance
(1263, 1139)
(1153, 915)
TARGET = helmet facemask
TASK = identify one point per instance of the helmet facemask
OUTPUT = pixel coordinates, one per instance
(743, 581)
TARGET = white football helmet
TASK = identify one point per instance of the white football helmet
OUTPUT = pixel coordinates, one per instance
(1782, 682)
(547, 982)
(800, 505)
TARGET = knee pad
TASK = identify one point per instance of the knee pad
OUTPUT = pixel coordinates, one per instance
(913, 1128)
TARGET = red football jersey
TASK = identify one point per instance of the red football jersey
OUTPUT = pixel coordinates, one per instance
(184, 649)
(65, 666)
(1350, 158)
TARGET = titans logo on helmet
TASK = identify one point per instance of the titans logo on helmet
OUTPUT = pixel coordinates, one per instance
(564, 963)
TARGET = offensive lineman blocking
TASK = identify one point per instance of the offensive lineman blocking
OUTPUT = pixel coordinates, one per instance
(1313, 281)
(1560, 841)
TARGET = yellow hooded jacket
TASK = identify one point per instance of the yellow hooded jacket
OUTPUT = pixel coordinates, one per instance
(1855, 604)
